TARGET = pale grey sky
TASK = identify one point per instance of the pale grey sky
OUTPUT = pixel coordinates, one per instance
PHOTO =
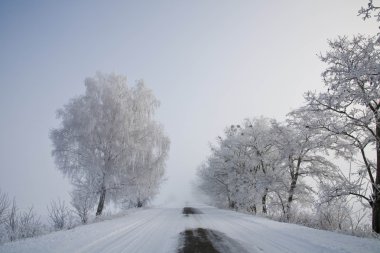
(210, 63)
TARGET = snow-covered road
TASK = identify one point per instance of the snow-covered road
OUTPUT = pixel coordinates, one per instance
(158, 229)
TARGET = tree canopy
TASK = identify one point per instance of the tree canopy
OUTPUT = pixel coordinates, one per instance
(108, 143)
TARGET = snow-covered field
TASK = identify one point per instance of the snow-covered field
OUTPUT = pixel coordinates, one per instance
(158, 229)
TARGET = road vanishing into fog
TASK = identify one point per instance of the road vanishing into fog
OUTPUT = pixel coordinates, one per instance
(201, 229)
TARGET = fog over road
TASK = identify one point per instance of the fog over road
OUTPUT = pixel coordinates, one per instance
(160, 229)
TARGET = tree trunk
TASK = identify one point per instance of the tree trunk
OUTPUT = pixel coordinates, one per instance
(290, 198)
(293, 185)
(139, 203)
(99, 210)
(376, 190)
(264, 201)
(376, 215)
(253, 209)
(232, 205)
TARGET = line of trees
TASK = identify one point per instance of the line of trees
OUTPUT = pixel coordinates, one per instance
(261, 165)
(264, 163)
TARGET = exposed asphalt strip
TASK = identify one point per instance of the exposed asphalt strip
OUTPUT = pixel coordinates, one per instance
(201, 240)
(190, 210)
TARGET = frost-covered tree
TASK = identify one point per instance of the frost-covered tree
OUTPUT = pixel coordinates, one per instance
(4, 209)
(147, 167)
(107, 135)
(369, 10)
(4, 205)
(262, 158)
(303, 152)
(263, 164)
(29, 224)
(12, 222)
(219, 174)
(59, 215)
(83, 202)
(242, 169)
(348, 109)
